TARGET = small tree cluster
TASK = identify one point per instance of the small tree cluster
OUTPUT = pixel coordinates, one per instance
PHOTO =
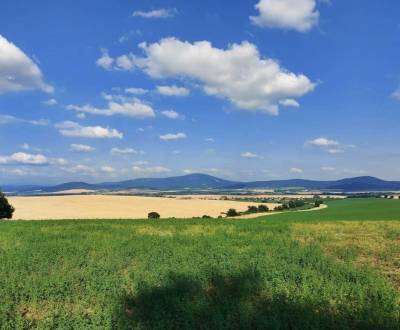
(6, 209)
(318, 201)
(232, 213)
(153, 215)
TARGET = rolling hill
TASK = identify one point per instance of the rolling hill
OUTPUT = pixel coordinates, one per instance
(203, 181)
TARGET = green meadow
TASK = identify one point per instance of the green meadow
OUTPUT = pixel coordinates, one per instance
(336, 268)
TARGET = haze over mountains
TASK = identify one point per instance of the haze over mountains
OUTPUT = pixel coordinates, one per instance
(203, 181)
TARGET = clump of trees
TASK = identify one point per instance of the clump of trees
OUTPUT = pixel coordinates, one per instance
(262, 208)
(6, 209)
(318, 201)
(153, 215)
(232, 213)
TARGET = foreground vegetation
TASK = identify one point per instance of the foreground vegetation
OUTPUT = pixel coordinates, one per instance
(328, 269)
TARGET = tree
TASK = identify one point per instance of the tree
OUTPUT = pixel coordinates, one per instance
(232, 213)
(6, 210)
(263, 208)
(153, 215)
(252, 209)
(292, 204)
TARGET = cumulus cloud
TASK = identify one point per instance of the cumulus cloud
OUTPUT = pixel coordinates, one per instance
(237, 73)
(129, 108)
(136, 91)
(296, 170)
(172, 137)
(124, 152)
(18, 72)
(396, 94)
(139, 170)
(299, 15)
(209, 140)
(25, 159)
(105, 61)
(50, 102)
(80, 169)
(157, 13)
(249, 155)
(81, 148)
(73, 129)
(330, 146)
(173, 90)
(7, 119)
(108, 169)
(171, 114)
(290, 103)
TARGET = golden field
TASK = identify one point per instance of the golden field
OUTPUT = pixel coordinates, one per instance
(118, 207)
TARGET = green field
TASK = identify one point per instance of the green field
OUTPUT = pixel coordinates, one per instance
(336, 268)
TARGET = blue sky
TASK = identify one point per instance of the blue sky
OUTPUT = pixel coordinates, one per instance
(100, 90)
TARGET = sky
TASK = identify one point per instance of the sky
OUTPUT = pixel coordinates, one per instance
(105, 90)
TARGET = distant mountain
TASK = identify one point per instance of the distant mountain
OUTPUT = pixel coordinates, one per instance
(203, 181)
(190, 181)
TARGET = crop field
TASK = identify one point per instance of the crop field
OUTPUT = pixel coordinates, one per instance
(337, 268)
(118, 207)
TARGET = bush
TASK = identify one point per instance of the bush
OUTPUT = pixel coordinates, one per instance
(6, 210)
(279, 208)
(232, 213)
(263, 208)
(153, 215)
(252, 209)
(206, 217)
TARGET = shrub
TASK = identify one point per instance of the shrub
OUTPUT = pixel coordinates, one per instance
(263, 208)
(206, 217)
(153, 215)
(6, 210)
(279, 208)
(252, 209)
(232, 213)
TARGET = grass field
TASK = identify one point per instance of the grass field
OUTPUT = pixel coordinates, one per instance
(332, 269)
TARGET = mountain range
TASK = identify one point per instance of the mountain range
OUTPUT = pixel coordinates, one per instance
(203, 181)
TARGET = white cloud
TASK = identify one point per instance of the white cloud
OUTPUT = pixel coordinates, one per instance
(81, 148)
(108, 169)
(171, 114)
(150, 170)
(209, 140)
(354, 172)
(133, 108)
(396, 94)
(17, 71)
(299, 15)
(140, 163)
(327, 168)
(249, 155)
(7, 119)
(171, 137)
(238, 73)
(50, 102)
(173, 90)
(105, 61)
(322, 142)
(330, 146)
(157, 13)
(72, 129)
(130, 34)
(290, 103)
(296, 170)
(136, 91)
(124, 152)
(80, 169)
(24, 158)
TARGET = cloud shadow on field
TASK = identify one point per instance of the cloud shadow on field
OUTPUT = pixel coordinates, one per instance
(236, 302)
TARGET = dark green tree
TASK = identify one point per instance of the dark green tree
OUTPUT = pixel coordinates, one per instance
(252, 209)
(263, 208)
(232, 213)
(154, 215)
(6, 209)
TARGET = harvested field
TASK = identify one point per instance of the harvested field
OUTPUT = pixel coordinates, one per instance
(118, 207)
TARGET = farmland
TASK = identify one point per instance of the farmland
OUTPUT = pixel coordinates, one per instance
(118, 207)
(335, 268)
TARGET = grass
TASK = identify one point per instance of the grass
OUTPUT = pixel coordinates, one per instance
(326, 269)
